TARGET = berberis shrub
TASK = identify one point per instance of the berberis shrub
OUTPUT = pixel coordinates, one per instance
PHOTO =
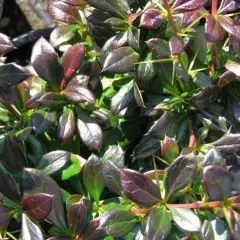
(125, 124)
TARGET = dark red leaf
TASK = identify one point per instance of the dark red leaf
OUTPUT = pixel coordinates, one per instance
(139, 188)
(151, 18)
(176, 45)
(63, 12)
(79, 81)
(6, 45)
(73, 59)
(213, 30)
(226, 78)
(37, 206)
(188, 18)
(159, 47)
(78, 216)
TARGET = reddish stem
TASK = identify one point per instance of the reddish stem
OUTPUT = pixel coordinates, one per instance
(170, 17)
(214, 7)
(196, 205)
(192, 138)
(64, 81)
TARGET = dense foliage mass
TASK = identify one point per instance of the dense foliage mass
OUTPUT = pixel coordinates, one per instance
(125, 125)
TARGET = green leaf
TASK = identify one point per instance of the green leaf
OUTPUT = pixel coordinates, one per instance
(138, 95)
(121, 60)
(93, 177)
(117, 223)
(114, 154)
(169, 149)
(158, 224)
(75, 167)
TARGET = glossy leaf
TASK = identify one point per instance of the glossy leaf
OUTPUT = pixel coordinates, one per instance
(14, 159)
(117, 223)
(11, 74)
(233, 67)
(121, 60)
(138, 95)
(66, 125)
(77, 163)
(214, 157)
(169, 149)
(35, 181)
(75, 2)
(188, 5)
(8, 186)
(186, 219)
(78, 216)
(226, 78)
(78, 81)
(116, 8)
(122, 98)
(6, 214)
(151, 18)
(73, 59)
(93, 177)
(54, 161)
(114, 154)
(179, 174)
(90, 132)
(79, 95)
(52, 100)
(6, 45)
(139, 188)
(228, 6)
(176, 45)
(63, 12)
(217, 182)
(133, 38)
(61, 34)
(44, 60)
(112, 178)
(159, 47)
(158, 224)
(42, 121)
(37, 206)
(30, 230)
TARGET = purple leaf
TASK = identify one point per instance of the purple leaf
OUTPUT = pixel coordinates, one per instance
(236, 110)
(151, 18)
(6, 45)
(73, 59)
(52, 100)
(66, 125)
(121, 60)
(188, 5)
(6, 214)
(44, 60)
(188, 18)
(54, 161)
(179, 174)
(139, 188)
(213, 30)
(78, 216)
(11, 74)
(226, 78)
(30, 230)
(217, 182)
(227, 6)
(176, 45)
(79, 81)
(63, 12)
(37, 206)
(79, 95)
(159, 47)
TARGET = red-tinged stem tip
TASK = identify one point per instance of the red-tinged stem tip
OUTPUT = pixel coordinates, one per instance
(214, 7)
(192, 138)
(64, 81)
